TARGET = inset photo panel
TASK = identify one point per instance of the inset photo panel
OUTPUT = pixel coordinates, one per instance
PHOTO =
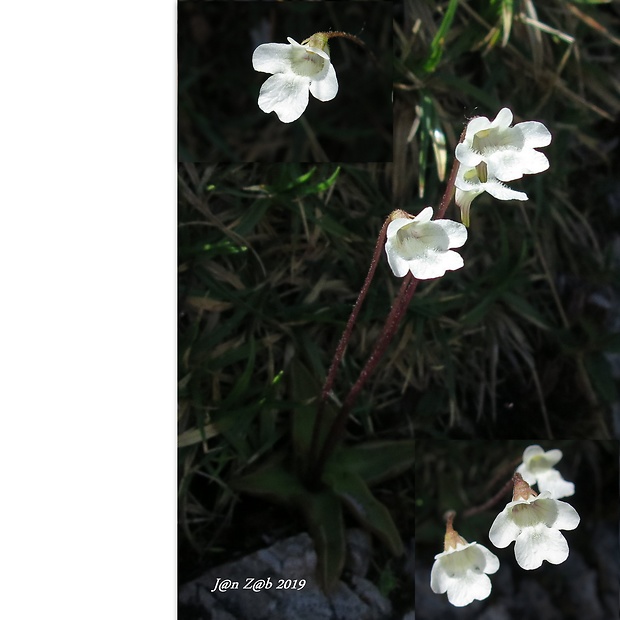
(284, 81)
(516, 529)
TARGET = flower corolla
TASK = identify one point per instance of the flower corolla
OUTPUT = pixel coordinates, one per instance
(461, 570)
(534, 522)
(297, 69)
(422, 246)
(537, 468)
(492, 153)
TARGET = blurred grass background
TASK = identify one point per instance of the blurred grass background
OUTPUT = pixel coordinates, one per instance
(219, 117)
(518, 344)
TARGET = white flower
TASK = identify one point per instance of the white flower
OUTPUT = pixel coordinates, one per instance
(422, 245)
(537, 468)
(460, 570)
(534, 522)
(493, 152)
(471, 182)
(297, 69)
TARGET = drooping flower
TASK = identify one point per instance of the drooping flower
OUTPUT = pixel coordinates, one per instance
(534, 523)
(493, 153)
(473, 181)
(460, 569)
(537, 468)
(422, 245)
(298, 69)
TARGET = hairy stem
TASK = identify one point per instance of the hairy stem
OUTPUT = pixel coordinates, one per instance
(342, 345)
(449, 191)
(392, 322)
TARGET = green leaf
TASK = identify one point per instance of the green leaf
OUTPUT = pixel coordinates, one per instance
(369, 511)
(375, 461)
(243, 382)
(439, 41)
(323, 514)
(324, 185)
(506, 13)
(305, 389)
(522, 307)
(252, 216)
(235, 425)
(274, 482)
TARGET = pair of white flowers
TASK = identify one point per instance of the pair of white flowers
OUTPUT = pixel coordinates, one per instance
(532, 520)
(491, 153)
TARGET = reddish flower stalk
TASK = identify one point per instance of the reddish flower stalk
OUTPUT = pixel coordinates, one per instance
(391, 325)
(344, 340)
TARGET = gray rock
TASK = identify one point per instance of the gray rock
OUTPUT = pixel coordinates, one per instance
(267, 585)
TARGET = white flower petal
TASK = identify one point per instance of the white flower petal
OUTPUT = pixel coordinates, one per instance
(451, 261)
(461, 573)
(504, 530)
(510, 164)
(534, 162)
(479, 123)
(469, 588)
(467, 179)
(421, 245)
(552, 481)
(433, 265)
(491, 560)
(327, 88)
(396, 224)
(425, 215)
(466, 155)
(493, 152)
(309, 62)
(502, 192)
(534, 133)
(399, 266)
(439, 578)
(464, 198)
(552, 457)
(535, 524)
(539, 543)
(532, 451)
(429, 234)
(286, 95)
(503, 119)
(457, 233)
(272, 58)
(526, 474)
(567, 517)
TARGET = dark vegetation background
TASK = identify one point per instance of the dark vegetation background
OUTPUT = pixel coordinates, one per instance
(219, 117)
(519, 344)
(586, 585)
